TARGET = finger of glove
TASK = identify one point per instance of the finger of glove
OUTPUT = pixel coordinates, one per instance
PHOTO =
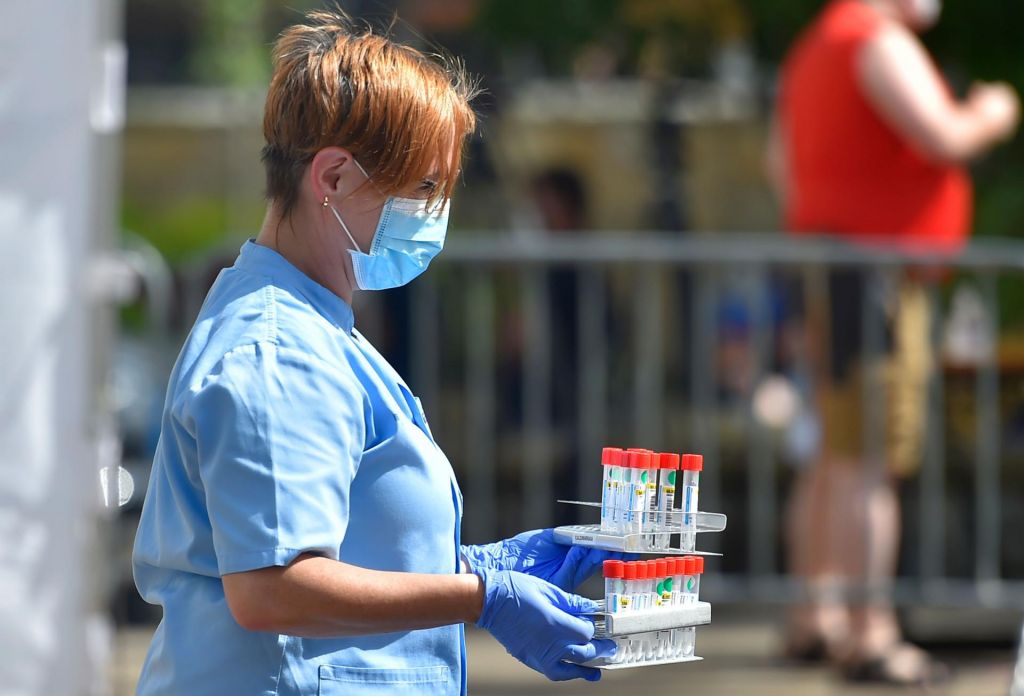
(590, 562)
(576, 629)
(563, 671)
(578, 605)
(579, 564)
(590, 651)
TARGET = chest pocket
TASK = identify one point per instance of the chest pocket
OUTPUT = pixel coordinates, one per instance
(336, 680)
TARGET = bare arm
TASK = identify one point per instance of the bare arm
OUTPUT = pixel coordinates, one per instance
(903, 85)
(318, 597)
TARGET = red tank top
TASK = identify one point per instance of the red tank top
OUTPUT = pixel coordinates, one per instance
(849, 172)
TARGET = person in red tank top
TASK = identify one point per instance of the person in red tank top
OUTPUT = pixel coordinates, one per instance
(868, 143)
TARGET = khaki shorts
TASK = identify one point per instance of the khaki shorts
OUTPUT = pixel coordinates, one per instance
(902, 374)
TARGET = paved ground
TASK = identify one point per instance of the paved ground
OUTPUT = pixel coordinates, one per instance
(740, 652)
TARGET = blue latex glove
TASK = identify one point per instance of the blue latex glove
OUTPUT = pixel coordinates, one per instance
(537, 553)
(540, 625)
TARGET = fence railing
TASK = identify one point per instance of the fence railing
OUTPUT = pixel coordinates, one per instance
(622, 339)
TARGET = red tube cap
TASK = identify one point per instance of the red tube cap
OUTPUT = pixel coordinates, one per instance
(661, 568)
(698, 563)
(693, 462)
(639, 460)
(611, 456)
(668, 460)
(629, 572)
(614, 569)
(689, 565)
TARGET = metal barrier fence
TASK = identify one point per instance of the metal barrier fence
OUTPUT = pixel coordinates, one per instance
(639, 381)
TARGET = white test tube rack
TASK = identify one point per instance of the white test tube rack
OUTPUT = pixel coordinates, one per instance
(665, 537)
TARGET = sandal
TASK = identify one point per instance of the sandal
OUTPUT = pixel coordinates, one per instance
(806, 650)
(901, 665)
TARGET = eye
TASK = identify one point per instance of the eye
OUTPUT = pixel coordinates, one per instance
(427, 186)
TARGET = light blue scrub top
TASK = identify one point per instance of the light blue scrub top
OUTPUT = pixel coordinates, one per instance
(285, 432)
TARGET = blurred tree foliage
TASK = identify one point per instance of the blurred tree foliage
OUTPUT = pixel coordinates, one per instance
(228, 41)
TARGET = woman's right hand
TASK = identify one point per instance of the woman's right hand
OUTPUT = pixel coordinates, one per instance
(540, 625)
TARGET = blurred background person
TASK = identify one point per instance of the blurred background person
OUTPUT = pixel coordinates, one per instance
(557, 205)
(869, 143)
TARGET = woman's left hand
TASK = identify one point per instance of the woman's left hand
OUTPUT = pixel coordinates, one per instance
(537, 553)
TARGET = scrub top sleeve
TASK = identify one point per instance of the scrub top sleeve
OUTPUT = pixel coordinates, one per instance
(279, 438)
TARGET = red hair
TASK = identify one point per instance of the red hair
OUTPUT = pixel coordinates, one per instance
(403, 115)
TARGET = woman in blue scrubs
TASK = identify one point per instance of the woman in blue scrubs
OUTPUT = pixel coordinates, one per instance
(301, 527)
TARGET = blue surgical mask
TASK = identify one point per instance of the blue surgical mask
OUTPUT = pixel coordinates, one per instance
(407, 238)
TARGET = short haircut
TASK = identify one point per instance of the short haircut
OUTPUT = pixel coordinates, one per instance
(404, 115)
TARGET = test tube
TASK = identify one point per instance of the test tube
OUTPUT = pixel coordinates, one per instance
(698, 570)
(652, 584)
(650, 645)
(664, 600)
(627, 602)
(650, 520)
(692, 464)
(640, 465)
(640, 597)
(687, 634)
(624, 498)
(676, 568)
(668, 464)
(664, 583)
(611, 463)
(613, 585)
(649, 478)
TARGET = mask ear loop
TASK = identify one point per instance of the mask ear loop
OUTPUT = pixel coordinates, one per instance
(342, 223)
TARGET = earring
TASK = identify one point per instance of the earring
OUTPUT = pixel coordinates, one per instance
(325, 201)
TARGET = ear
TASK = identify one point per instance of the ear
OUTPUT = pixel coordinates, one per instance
(333, 173)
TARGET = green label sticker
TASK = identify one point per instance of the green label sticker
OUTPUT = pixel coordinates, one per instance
(668, 585)
(690, 584)
(672, 477)
(643, 477)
